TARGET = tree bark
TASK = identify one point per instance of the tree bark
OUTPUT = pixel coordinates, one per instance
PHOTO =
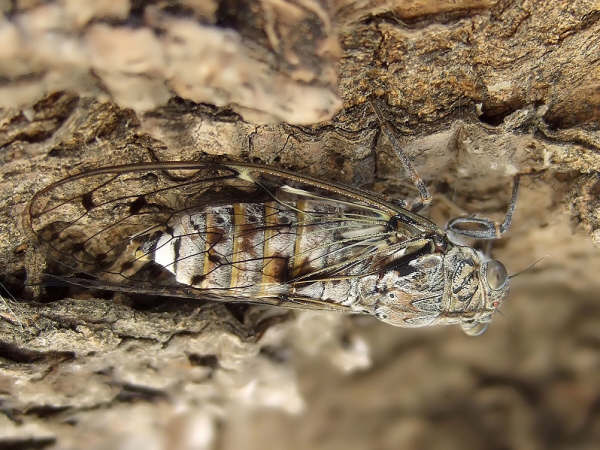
(477, 91)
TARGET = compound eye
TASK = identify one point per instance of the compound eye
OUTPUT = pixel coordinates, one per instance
(496, 275)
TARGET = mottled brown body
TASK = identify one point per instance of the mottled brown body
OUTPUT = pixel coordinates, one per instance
(244, 232)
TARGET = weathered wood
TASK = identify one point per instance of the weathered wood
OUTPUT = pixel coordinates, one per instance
(478, 90)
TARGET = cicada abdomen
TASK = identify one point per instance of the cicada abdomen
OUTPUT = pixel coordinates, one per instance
(245, 232)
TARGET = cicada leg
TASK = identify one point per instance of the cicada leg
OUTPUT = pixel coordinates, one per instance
(478, 228)
(471, 227)
(405, 160)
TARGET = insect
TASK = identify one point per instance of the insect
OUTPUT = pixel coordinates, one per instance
(240, 232)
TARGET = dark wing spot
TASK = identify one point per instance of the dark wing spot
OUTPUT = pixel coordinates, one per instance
(197, 279)
(215, 258)
(100, 257)
(177, 249)
(78, 247)
(136, 206)
(87, 201)
(126, 266)
(281, 270)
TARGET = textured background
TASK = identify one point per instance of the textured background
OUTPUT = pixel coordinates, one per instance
(477, 91)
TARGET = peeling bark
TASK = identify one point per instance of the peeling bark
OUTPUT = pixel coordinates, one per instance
(477, 91)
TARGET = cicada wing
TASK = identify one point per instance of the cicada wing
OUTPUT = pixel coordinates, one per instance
(96, 223)
(86, 222)
(190, 292)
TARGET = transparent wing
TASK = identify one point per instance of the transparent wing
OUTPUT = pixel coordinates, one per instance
(93, 225)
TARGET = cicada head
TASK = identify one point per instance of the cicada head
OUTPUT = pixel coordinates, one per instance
(476, 287)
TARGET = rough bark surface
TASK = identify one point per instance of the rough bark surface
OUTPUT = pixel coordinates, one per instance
(478, 90)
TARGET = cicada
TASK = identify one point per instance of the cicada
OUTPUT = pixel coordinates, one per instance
(240, 232)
